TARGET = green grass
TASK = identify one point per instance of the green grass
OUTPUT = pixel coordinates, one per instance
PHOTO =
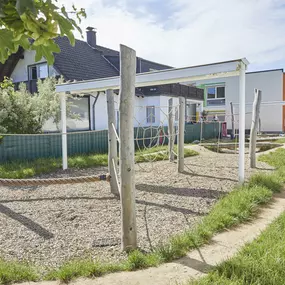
(276, 158)
(27, 169)
(261, 262)
(11, 272)
(238, 206)
(281, 140)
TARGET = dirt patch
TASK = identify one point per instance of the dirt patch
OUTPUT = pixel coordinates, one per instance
(49, 225)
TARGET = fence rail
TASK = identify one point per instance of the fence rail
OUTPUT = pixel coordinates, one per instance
(29, 147)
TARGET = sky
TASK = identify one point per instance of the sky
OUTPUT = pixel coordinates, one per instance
(191, 32)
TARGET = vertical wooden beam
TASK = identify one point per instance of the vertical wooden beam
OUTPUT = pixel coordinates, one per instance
(112, 141)
(181, 134)
(171, 132)
(63, 130)
(127, 161)
(241, 122)
(233, 120)
(254, 127)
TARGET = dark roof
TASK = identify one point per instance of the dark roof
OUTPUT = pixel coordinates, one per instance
(81, 62)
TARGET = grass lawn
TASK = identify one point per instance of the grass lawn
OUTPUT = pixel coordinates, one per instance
(261, 262)
(26, 169)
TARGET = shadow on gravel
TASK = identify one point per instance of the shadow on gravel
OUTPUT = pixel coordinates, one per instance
(210, 176)
(60, 199)
(169, 207)
(30, 224)
(187, 192)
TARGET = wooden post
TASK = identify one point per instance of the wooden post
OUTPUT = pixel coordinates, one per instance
(181, 135)
(63, 130)
(127, 160)
(112, 141)
(233, 120)
(259, 126)
(254, 127)
(171, 137)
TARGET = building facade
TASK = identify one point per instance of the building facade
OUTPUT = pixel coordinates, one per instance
(218, 95)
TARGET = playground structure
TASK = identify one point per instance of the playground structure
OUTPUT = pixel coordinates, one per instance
(122, 181)
(167, 194)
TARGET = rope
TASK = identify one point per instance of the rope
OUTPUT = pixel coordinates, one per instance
(53, 181)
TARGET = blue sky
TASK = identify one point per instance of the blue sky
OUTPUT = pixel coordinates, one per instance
(191, 32)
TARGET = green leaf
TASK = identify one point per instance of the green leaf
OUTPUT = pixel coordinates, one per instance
(46, 51)
(6, 37)
(7, 45)
(24, 42)
(23, 5)
(66, 28)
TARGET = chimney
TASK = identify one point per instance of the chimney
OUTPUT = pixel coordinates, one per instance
(91, 36)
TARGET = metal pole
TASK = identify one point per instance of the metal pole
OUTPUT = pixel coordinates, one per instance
(241, 122)
(63, 130)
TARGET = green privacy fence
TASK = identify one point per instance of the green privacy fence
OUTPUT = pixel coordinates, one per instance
(28, 147)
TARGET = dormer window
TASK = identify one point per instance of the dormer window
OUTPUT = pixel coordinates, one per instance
(38, 71)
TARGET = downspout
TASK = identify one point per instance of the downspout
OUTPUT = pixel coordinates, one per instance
(93, 107)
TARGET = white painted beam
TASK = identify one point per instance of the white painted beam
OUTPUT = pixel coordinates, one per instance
(169, 76)
(63, 130)
(241, 165)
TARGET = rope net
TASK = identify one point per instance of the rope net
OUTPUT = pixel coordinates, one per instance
(152, 133)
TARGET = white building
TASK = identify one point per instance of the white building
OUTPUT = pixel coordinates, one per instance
(219, 93)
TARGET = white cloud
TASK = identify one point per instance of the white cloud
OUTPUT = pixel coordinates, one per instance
(197, 32)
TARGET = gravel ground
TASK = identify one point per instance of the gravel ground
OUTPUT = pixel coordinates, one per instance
(49, 225)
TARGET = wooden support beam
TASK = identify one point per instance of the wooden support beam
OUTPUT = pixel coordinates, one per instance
(127, 158)
(171, 132)
(181, 135)
(112, 142)
(254, 127)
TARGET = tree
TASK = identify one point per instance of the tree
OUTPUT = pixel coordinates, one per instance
(24, 113)
(33, 24)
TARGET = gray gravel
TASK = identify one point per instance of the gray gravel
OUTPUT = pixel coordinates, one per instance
(49, 225)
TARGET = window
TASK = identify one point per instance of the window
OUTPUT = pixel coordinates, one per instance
(216, 95)
(79, 107)
(38, 71)
(150, 114)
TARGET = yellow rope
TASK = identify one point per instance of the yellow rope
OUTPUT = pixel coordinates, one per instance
(52, 181)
